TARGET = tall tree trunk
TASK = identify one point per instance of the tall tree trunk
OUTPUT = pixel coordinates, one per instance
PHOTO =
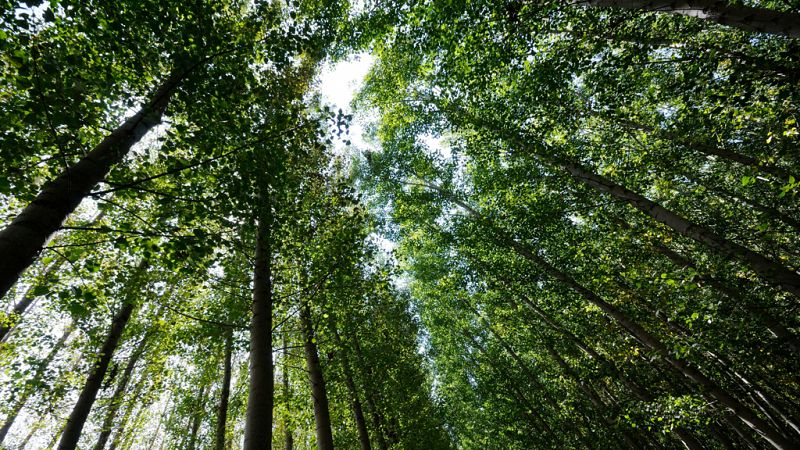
(119, 394)
(684, 435)
(358, 411)
(36, 427)
(711, 150)
(771, 323)
(535, 418)
(771, 271)
(377, 422)
(29, 389)
(258, 427)
(197, 417)
(705, 384)
(23, 239)
(593, 397)
(76, 420)
(741, 17)
(288, 441)
(222, 410)
(322, 415)
(121, 426)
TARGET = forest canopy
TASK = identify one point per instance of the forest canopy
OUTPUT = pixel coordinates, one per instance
(562, 225)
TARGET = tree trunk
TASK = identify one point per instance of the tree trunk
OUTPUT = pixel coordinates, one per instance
(28, 298)
(76, 420)
(222, 410)
(23, 239)
(36, 427)
(711, 150)
(119, 394)
(771, 323)
(358, 411)
(321, 412)
(29, 390)
(770, 270)
(288, 441)
(120, 428)
(536, 420)
(741, 17)
(258, 427)
(197, 418)
(708, 387)
(377, 421)
(705, 384)
(592, 395)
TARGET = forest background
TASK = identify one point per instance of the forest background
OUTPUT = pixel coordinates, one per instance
(539, 224)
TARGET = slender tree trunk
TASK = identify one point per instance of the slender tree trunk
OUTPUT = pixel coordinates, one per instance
(377, 422)
(711, 150)
(684, 435)
(23, 239)
(318, 392)
(258, 427)
(741, 17)
(771, 271)
(358, 412)
(76, 420)
(771, 323)
(536, 419)
(119, 394)
(705, 384)
(222, 410)
(288, 442)
(593, 397)
(29, 390)
(197, 417)
(120, 428)
(36, 427)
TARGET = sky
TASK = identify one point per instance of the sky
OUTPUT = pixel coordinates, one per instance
(338, 84)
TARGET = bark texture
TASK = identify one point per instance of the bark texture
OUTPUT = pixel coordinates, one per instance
(23, 239)
(258, 427)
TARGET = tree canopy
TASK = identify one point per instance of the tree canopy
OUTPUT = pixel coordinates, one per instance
(567, 225)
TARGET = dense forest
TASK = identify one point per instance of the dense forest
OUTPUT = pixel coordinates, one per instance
(566, 225)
